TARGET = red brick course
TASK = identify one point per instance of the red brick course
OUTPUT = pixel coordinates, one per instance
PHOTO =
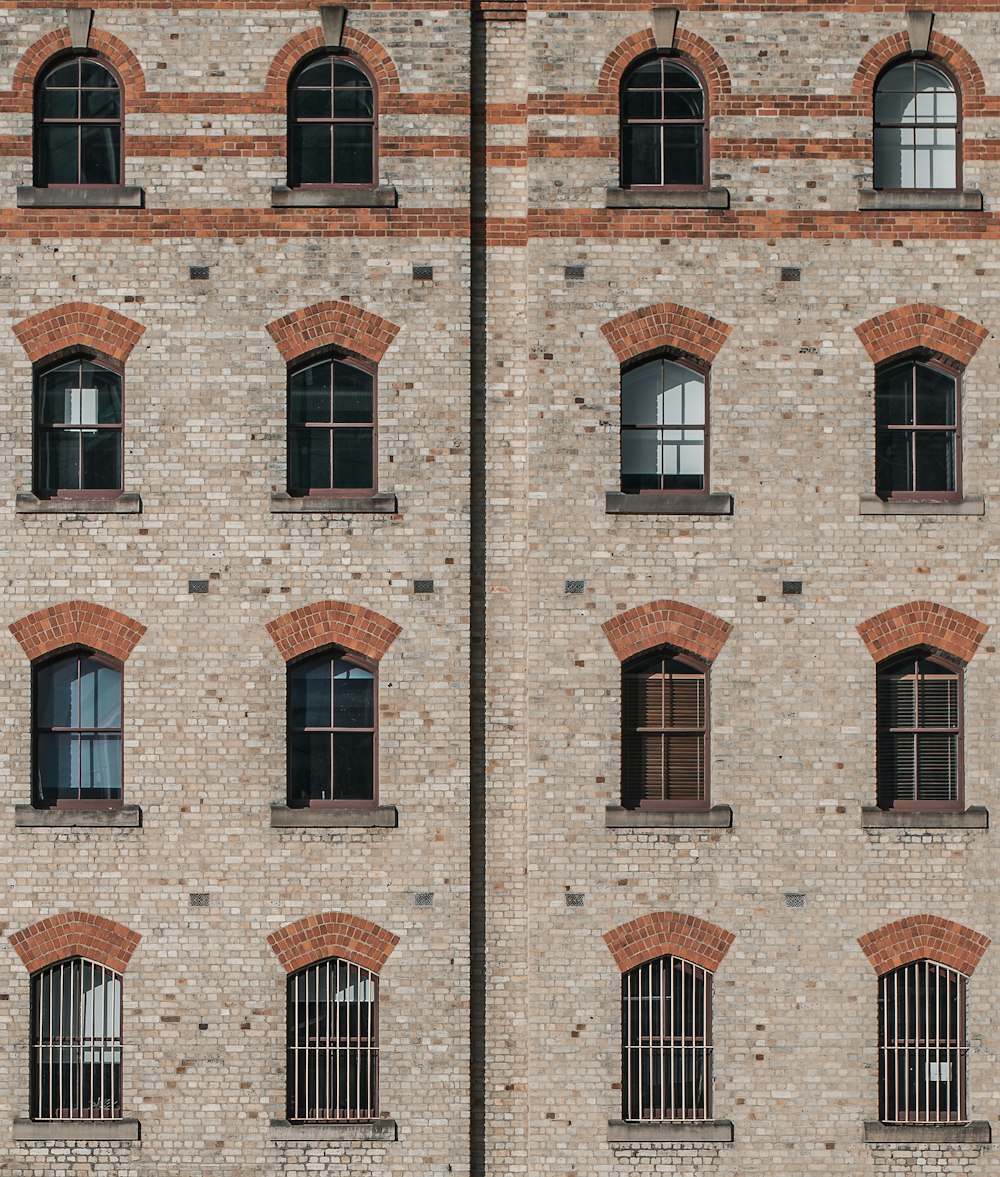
(922, 623)
(667, 623)
(333, 933)
(78, 324)
(924, 937)
(668, 933)
(332, 324)
(666, 325)
(333, 623)
(75, 933)
(713, 69)
(921, 325)
(77, 623)
(947, 51)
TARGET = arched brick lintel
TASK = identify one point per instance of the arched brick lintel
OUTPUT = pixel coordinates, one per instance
(78, 324)
(924, 937)
(333, 933)
(667, 623)
(924, 326)
(950, 53)
(75, 933)
(371, 53)
(668, 933)
(333, 623)
(58, 41)
(922, 623)
(713, 69)
(332, 324)
(667, 324)
(77, 623)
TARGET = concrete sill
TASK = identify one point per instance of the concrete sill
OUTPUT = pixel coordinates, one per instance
(617, 503)
(976, 1132)
(873, 505)
(719, 817)
(927, 200)
(642, 1131)
(349, 1130)
(976, 817)
(385, 196)
(359, 817)
(71, 1130)
(382, 503)
(666, 198)
(125, 504)
(83, 197)
(123, 818)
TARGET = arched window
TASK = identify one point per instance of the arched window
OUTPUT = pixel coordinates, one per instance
(332, 719)
(919, 733)
(665, 732)
(76, 1042)
(664, 437)
(332, 1045)
(917, 436)
(664, 125)
(78, 123)
(917, 128)
(331, 428)
(332, 123)
(78, 430)
(667, 1041)
(77, 721)
(922, 1045)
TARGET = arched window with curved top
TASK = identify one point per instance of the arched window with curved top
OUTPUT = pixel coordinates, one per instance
(79, 120)
(332, 124)
(664, 125)
(331, 428)
(917, 128)
(917, 431)
(78, 430)
(664, 427)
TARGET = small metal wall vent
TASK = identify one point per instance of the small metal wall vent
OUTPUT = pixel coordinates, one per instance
(791, 588)
(199, 273)
(198, 899)
(575, 273)
(791, 274)
(575, 586)
(423, 273)
(423, 898)
(795, 899)
(423, 586)
(197, 586)
(574, 899)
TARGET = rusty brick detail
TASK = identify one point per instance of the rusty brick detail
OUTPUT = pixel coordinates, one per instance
(668, 933)
(57, 41)
(335, 623)
(75, 933)
(947, 51)
(77, 623)
(924, 937)
(370, 52)
(334, 933)
(922, 623)
(943, 333)
(667, 324)
(332, 324)
(78, 324)
(713, 69)
(672, 623)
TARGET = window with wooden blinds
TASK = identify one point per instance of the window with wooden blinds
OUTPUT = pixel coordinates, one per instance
(919, 722)
(664, 734)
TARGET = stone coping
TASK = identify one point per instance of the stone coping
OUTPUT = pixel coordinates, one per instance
(380, 503)
(331, 817)
(127, 503)
(921, 200)
(618, 503)
(384, 196)
(869, 504)
(84, 196)
(381, 1129)
(123, 817)
(719, 817)
(666, 198)
(692, 1131)
(975, 1132)
(976, 817)
(71, 1130)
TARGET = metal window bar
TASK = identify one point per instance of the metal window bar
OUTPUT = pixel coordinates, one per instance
(923, 1045)
(333, 1043)
(666, 1042)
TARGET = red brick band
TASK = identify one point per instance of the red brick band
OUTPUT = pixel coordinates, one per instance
(332, 324)
(75, 933)
(334, 933)
(667, 623)
(57, 41)
(713, 69)
(921, 325)
(924, 937)
(333, 623)
(948, 52)
(668, 933)
(668, 324)
(922, 623)
(77, 623)
(78, 324)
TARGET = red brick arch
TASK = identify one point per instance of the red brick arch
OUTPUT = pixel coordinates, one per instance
(58, 41)
(75, 933)
(333, 933)
(371, 53)
(921, 326)
(922, 623)
(713, 69)
(924, 937)
(667, 324)
(668, 933)
(332, 324)
(78, 324)
(667, 623)
(77, 623)
(950, 53)
(333, 623)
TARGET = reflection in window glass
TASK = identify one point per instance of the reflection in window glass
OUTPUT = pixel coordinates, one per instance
(916, 128)
(663, 427)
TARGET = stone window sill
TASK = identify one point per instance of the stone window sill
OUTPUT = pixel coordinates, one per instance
(617, 503)
(971, 200)
(123, 818)
(381, 503)
(667, 198)
(384, 1129)
(719, 817)
(125, 504)
(72, 1130)
(975, 1132)
(873, 505)
(82, 197)
(334, 817)
(976, 817)
(385, 196)
(641, 1132)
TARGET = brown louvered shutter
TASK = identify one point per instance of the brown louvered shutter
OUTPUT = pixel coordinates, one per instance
(919, 734)
(663, 733)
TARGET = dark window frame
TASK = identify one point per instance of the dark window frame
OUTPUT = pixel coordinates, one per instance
(624, 162)
(38, 121)
(937, 64)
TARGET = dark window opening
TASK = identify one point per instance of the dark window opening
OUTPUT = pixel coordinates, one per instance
(917, 128)
(664, 427)
(78, 124)
(917, 443)
(664, 128)
(332, 124)
(331, 429)
(78, 431)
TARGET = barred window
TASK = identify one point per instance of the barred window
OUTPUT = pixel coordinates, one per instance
(333, 1042)
(332, 120)
(667, 1041)
(917, 439)
(664, 125)
(664, 427)
(78, 124)
(917, 128)
(331, 429)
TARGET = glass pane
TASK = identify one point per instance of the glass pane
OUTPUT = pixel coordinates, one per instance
(647, 76)
(309, 694)
(308, 767)
(641, 388)
(692, 386)
(352, 459)
(643, 105)
(893, 462)
(56, 767)
(353, 696)
(642, 155)
(888, 158)
(102, 459)
(346, 73)
(937, 767)
(96, 76)
(309, 394)
(935, 461)
(892, 107)
(67, 74)
(938, 697)
(311, 154)
(56, 700)
(929, 79)
(309, 459)
(682, 104)
(60, 104)
(684, 767)
(317, 74)
(676, 77)
(894, 397)
(682, 154)
(57, 149)
(352, 393)
(58, 461)
(353, 766)
(354, 102)
(935, 397)
(107, 388)
(100, 767)
(100, 104)
(99, 155)
(100, 695)
(640, 459)
(352, 154)
(311, 104)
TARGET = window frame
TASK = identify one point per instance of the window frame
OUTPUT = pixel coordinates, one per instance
(690, 67)
(937, 64)
(38, 167)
